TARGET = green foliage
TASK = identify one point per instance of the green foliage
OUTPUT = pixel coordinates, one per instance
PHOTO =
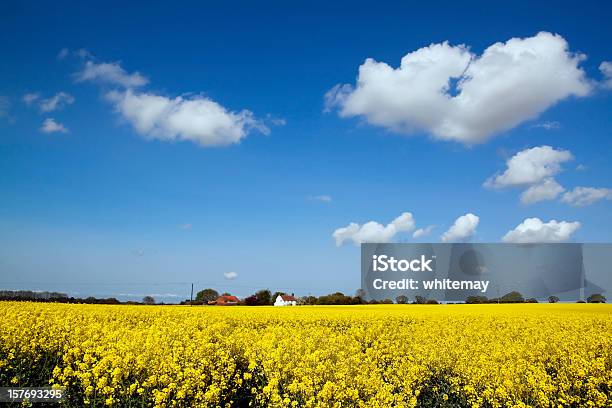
(512, 297)
(476, 299)
(596, 298)
(401, 300)
(339, 298)
(207, 295)
(264, 297)
(420, 300)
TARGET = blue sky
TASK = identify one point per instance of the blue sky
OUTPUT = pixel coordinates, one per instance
(108, 208)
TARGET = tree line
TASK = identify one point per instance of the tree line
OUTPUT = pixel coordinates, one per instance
(265, 297)
(517, 297)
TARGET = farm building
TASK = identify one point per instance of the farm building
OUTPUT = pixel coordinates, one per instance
(226, 300)
(285, 300)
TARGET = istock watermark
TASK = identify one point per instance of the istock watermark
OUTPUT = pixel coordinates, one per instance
(453, 272)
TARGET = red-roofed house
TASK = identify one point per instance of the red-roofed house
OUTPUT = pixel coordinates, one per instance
(227, 300)
(285, 300)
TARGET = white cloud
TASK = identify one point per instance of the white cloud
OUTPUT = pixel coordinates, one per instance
(423, 232)
(533, 230)
(57, 101)
(275, 121)
(373, 231)
(185, 226)
(548, 125)
(462, 230)
(110, 73)
(230, 275)
(196, 119)
(530, 166)
(49, 125)
(583, 196)
(547, 189)
(323, 198)
(606, 69)
(508, 84)
(30, 98)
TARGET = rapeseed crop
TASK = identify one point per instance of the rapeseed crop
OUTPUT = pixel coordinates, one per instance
(355, 356)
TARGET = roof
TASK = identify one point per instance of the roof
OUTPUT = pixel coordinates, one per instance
(227, 299)
(288, 298)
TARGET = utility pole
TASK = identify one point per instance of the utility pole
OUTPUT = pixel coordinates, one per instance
(191, 297)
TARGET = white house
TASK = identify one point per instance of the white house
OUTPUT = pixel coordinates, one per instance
(285, 300)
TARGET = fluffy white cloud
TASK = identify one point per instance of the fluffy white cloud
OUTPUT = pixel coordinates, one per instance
(49, 125)
(197, 118)
(57, 101)
(373, 231)
(462, 230)
(606, 69)
(230, 275)
(530, 166)
(583, 196)
(423, 232)
(533, 230)
(547, 189)
(193, 118)
(111, 73)
(508, 84)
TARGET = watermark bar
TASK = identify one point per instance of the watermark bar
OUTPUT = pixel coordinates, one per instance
(454, 272)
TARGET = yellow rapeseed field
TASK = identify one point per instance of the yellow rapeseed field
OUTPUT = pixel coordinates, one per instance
(545, 355)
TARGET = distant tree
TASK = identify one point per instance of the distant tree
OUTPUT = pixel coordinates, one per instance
(531, 300)
(512, 297)
(148, 300)
(337, 298)
(387, 302)
(432, 302)
(401, 300)
(193, 303)
(226, 294)
(251, 300)
(553, 299)
(596, 298)
(581, 301)
(476, 299)
(361, 294)
(264, 297)
(207, 295)
(307, 300)
(420, 300)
